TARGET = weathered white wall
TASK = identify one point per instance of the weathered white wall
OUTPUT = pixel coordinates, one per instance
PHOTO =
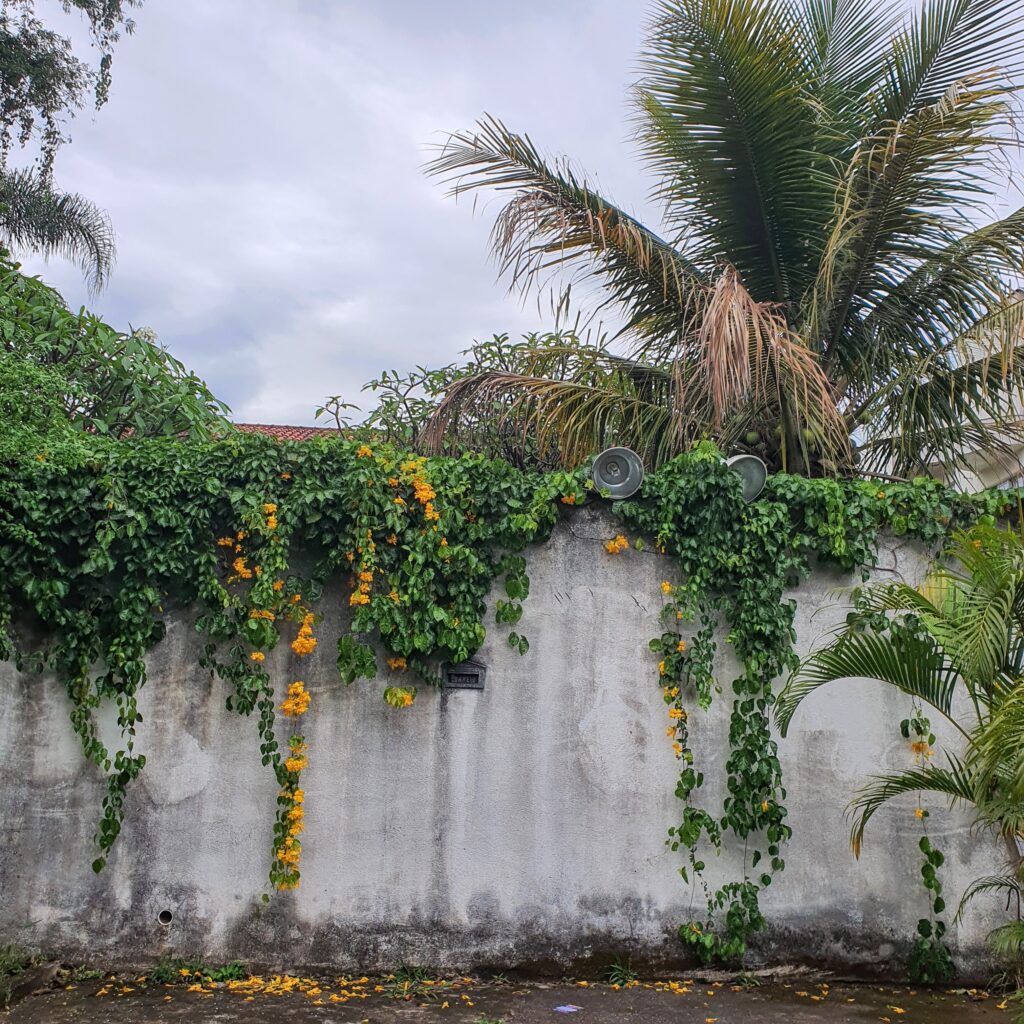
(522, 824)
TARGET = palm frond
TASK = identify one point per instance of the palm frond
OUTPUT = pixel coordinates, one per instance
(953, 782)
(1011, 885)
(730, 133)
(554, 223)
(603, 400)
(35, 216)
(911, 664)
(953, 402)
(944, 43)
(996, 752)
(847, 42)
(902, 200)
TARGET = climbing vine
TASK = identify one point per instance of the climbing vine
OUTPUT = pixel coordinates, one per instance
(99, 543)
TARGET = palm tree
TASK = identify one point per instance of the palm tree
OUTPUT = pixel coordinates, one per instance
(954, 645)
(824, 282)
(37, 217)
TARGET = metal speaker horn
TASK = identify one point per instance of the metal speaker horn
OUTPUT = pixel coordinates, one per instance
(753, 474)
(619, 472)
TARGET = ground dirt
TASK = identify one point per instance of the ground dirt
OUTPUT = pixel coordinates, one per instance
(131, 1000)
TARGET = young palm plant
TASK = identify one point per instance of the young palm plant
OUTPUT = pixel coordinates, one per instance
(954, 645)
(826, 292)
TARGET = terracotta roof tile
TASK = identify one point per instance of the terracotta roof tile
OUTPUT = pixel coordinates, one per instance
(285, 433)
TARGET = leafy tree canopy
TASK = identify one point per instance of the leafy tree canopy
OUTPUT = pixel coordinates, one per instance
(44, 82)
(64, 373)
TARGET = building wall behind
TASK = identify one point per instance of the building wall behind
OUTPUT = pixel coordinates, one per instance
(518, 825)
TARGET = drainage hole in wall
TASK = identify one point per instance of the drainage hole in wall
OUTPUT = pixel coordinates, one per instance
(165, 917)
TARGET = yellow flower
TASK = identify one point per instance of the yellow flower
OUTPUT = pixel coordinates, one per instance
(661, 668)
(304, 644)
(358, 598)
(568, 499)
(269, 508)
(444, 542)
(678, 748)
(397, 664)
(395, 596)
(366, 577)
(430, 513)
(226, 542)
(919, 813)
(262, 613)
(297, 701)
(364, 452)
(670, 731)
(286, 476)
(278, 585)
(392, 539)
(681, 646)
(676, 714)
(296, 764)
(666, 587)
(764, 806)
(399, 500)
(257, 656)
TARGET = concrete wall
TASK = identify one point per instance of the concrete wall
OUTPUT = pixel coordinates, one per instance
(520, 824)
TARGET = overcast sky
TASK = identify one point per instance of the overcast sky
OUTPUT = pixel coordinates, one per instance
(261, 161)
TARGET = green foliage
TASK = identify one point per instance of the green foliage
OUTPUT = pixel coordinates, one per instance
(97, 552)
(737, 561)
(824, 295)
(931, 962)
(62, 372)
(954, 645)
(406, 402)
(621, 973)
(187, 971)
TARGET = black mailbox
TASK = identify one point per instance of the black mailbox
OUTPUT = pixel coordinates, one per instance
(469, 675)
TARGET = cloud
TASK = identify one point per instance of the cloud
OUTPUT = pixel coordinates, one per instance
(262, 161)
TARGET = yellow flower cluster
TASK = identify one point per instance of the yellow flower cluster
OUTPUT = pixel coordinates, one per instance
(305, 642)
(568, 499)
(270, 511)
(922, 751)
(617, 545)
(297, 701)
(666, 587)
(358, 597)
(262, 613)
(397, 665)
(399, 696)
(241, 569)
(226, 542)
(257, 656)
(364, 452)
